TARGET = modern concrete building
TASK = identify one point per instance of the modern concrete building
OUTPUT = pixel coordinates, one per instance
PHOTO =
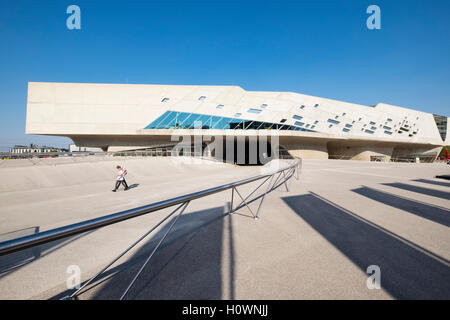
(133, 116)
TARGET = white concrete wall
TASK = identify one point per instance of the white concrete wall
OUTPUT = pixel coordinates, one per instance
(77, 108)
(102, 115)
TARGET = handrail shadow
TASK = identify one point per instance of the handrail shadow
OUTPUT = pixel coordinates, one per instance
(438, 183)
(17, 260)
(426, 211)
(188, 265)
(427, 191)
(407, 270)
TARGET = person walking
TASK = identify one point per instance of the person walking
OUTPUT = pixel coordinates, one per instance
(120, 178)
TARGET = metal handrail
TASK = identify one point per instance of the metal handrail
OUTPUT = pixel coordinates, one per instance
(40, 238)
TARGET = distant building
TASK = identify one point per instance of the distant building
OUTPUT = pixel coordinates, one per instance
(75, 148)
(32, 148)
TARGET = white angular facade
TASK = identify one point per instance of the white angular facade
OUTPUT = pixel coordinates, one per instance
(126, 116)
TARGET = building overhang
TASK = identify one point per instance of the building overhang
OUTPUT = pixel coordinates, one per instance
(151, 137)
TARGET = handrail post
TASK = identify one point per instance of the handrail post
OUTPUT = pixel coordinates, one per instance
(262, 199)
(285, 181)
(245, 202)
(231, 203)
(73, 295)
(153, 252)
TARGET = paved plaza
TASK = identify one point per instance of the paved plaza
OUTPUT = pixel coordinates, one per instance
(314, 241)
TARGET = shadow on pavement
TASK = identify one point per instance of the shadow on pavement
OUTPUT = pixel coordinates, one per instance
(188, 265)
(407, 270)
(14, 261)
(430, 212)
(427, 191)
(438, 183)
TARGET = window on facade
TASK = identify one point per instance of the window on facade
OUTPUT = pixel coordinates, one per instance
(368, 131)
(387, 132)
(302, 107)
(372, 123)
(441, 124)
(237, 114)
(316, 105)
(345, 130)
(283, 120)
(220, 106)
(333, 121)
(297, 117)
(316, 122)
(257, 111)
(184, 120)
(263, 106)
(298, 123)
(201, 98)
(165, 100)
(255, 125)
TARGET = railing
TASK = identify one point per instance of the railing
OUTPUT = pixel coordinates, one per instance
(339, 157)
(406, 158)
(159, 151)
(413, 158)
(281, 176)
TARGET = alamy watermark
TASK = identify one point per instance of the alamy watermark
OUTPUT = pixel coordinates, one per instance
(374, 20)
(73, 281)
(259, 149)
(374, 280)
(74, 20)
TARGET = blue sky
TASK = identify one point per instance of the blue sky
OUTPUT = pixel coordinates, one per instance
(321, 48)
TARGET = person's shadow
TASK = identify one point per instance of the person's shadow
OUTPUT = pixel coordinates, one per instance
(135, 185)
